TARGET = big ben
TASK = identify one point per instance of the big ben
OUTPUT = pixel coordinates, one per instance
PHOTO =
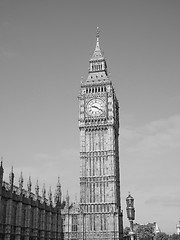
(100, 201)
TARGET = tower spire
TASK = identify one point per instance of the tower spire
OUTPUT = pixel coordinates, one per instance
(97, 63)
(1, 167)
(97, 52)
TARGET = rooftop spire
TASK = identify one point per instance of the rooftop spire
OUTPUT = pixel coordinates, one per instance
(11, 179)
(37, 189)
(1, 167)
(29, 184)
(44, 192)
(58, 192)
(21, 180)
(1, 171)
(97, 52)
(50, 195)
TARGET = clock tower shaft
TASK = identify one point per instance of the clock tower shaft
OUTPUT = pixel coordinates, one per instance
(99, 152)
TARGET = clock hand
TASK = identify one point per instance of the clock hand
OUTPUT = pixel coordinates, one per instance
(96, 107)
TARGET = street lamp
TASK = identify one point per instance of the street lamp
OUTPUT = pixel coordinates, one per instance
(130, 214)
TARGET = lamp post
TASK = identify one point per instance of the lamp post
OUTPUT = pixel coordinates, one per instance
(130, 214)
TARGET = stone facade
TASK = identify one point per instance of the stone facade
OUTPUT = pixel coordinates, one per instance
(28, 216)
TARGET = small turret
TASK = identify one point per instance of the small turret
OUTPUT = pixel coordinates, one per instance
(1, 171)
(37, 189)
(21, 180)
(44, 192)
(58, 193)
(29, 185)
(50, 196)
(1, 175)
(11, 179)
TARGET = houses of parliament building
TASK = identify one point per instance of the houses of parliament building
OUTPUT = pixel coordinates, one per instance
(25, 215)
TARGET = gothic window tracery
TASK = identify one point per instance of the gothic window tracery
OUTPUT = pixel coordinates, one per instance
(74, 223)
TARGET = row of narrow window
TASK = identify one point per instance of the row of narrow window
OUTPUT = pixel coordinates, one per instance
(96, 89)
(101, 190)
(93, 169)
(74, 223)
(92, 223)
(95, 141)
(96, 120)
(98, 208)
(29, 218)
(97, 67)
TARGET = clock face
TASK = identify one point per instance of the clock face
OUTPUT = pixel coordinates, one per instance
(95, 107)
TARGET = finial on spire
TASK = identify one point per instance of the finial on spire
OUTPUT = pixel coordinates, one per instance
(97, 32)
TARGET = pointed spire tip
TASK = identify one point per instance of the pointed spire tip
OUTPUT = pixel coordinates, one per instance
(97, 32)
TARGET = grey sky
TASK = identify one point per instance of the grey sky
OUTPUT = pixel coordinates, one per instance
(45, 47)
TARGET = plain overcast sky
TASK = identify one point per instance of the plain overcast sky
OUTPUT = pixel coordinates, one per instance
(45, 47)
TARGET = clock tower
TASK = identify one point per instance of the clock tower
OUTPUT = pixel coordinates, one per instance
(99, 153)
